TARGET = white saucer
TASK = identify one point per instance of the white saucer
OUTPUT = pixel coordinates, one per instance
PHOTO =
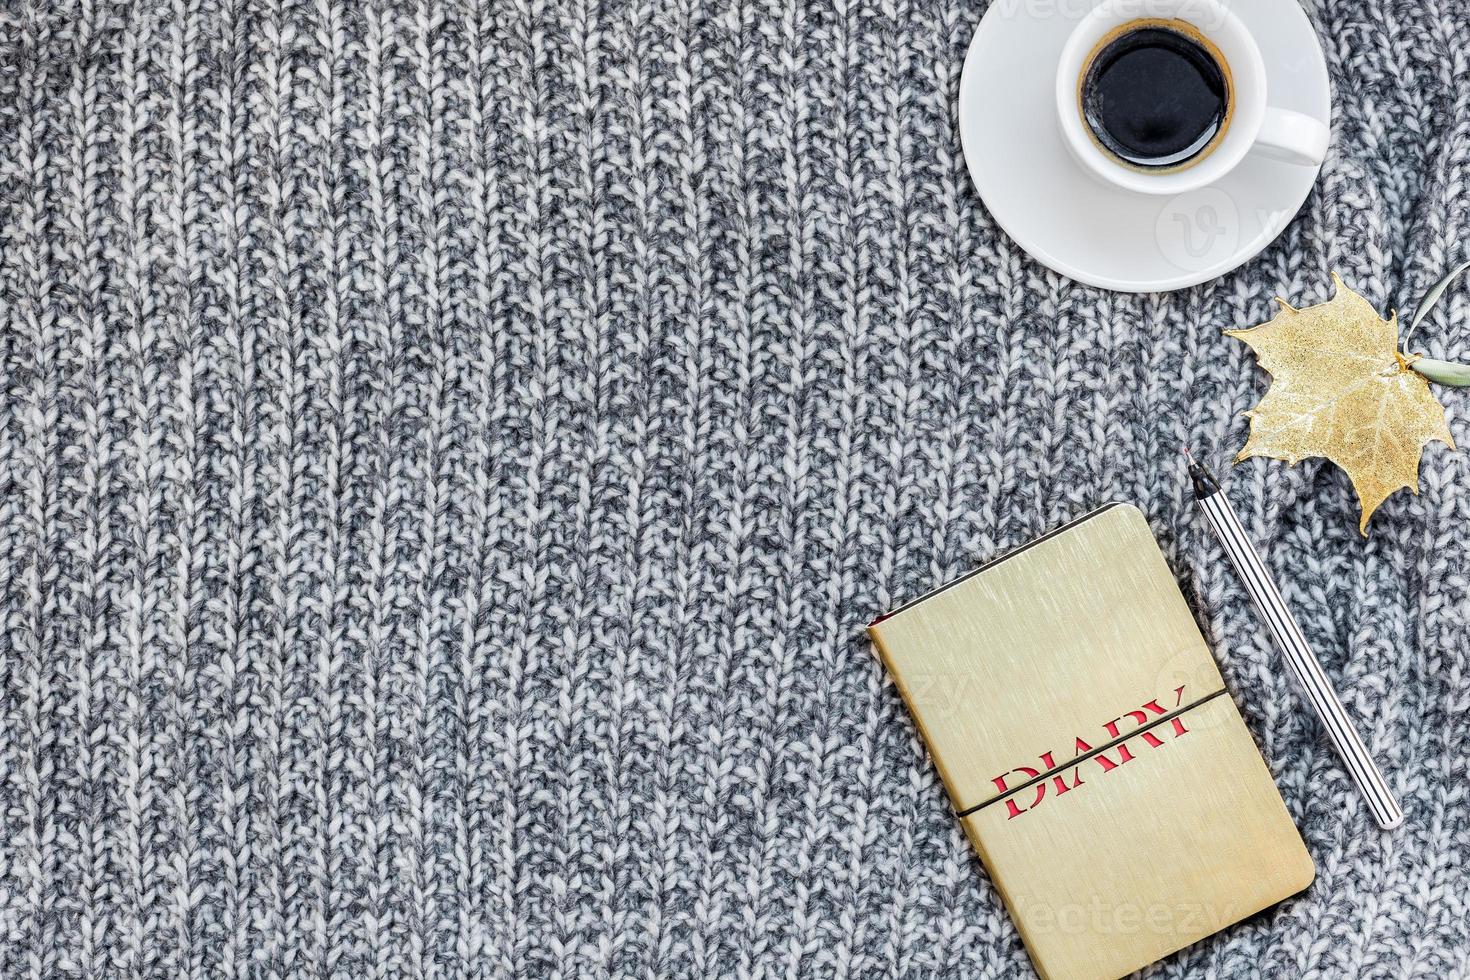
(1098, 234)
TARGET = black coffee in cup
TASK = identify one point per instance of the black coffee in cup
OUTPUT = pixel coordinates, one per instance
(1156, 94)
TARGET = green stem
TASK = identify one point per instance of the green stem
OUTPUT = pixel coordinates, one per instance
(1430, 298)
(1443, 372)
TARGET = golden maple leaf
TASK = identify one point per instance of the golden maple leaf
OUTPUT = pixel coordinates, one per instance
(1340, 389)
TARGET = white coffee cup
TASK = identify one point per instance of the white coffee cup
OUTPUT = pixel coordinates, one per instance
(1254, 125)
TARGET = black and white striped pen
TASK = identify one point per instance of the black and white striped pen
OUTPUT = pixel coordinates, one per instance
(1293, 645)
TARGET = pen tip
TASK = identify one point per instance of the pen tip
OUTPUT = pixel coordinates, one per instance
(1205, 484)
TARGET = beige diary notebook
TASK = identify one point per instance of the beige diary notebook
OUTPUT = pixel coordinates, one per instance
(1087, 742)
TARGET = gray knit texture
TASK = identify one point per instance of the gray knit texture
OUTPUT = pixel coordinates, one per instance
(449, 454)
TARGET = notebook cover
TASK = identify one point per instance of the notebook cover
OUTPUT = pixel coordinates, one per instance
(1085, 736)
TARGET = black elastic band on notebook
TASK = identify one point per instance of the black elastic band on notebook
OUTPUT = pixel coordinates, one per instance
(1073, 763)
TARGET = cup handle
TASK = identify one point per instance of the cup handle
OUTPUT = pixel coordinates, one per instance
(1292, 137)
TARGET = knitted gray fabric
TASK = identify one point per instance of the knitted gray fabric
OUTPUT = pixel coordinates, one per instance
(448, 455)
